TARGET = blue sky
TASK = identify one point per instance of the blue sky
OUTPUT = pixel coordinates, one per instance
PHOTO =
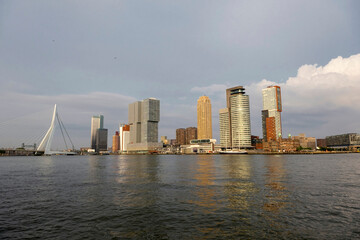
(96, 57)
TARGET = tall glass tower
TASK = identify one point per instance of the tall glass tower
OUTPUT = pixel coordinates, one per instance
(97, 122)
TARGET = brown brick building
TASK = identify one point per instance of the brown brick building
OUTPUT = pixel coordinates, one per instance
(191, 134)
(180, 136)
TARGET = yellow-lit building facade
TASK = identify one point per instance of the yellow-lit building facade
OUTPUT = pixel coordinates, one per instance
(204, 122)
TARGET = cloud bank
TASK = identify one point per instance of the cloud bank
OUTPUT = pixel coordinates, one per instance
(319, 100)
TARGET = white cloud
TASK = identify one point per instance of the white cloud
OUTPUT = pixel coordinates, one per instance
(322, 100)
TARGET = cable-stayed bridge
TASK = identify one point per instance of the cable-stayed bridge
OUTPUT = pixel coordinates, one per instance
(40, 144)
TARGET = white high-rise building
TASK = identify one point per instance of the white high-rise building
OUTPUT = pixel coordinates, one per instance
(235, 120)
(271, 113)
(224, 124)
(239, 118)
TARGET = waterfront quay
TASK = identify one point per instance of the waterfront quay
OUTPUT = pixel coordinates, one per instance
(17, 152)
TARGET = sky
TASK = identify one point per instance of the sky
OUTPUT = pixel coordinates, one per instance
(95, 57)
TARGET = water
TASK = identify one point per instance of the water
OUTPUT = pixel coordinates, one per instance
(180, 197)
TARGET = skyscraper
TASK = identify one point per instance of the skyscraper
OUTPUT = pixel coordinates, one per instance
(150, 117)
(235, 120)
(271, 113)
(97, 122)
(134, 119)
(144, 117)
(101, 139)
(204, 122)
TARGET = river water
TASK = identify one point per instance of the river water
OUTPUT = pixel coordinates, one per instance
(180, 197)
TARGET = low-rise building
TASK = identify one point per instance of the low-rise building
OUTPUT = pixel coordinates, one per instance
(145, 147)
(199, 146)
(349, 141)
(321, 143)
(306, 142)
(289, 145)
(281, 145)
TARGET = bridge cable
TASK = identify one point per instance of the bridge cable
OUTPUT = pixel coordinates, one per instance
(61, 123)
(62, 133)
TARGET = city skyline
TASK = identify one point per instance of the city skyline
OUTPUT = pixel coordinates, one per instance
(99, 63)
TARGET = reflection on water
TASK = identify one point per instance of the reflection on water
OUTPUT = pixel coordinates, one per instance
(276, 196)
(140, 176)
(205, 192)
(240, 188)
(180, 197)
(138, 196)
(275, 183)
(46, 167)
(205, 180)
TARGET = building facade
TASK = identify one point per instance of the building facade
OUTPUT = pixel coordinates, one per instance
(321, 143)
(306, 142)
(281, 145)
(97, 122)
(271, 113)
(199, 146)
(348, 140)
(204, 118)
